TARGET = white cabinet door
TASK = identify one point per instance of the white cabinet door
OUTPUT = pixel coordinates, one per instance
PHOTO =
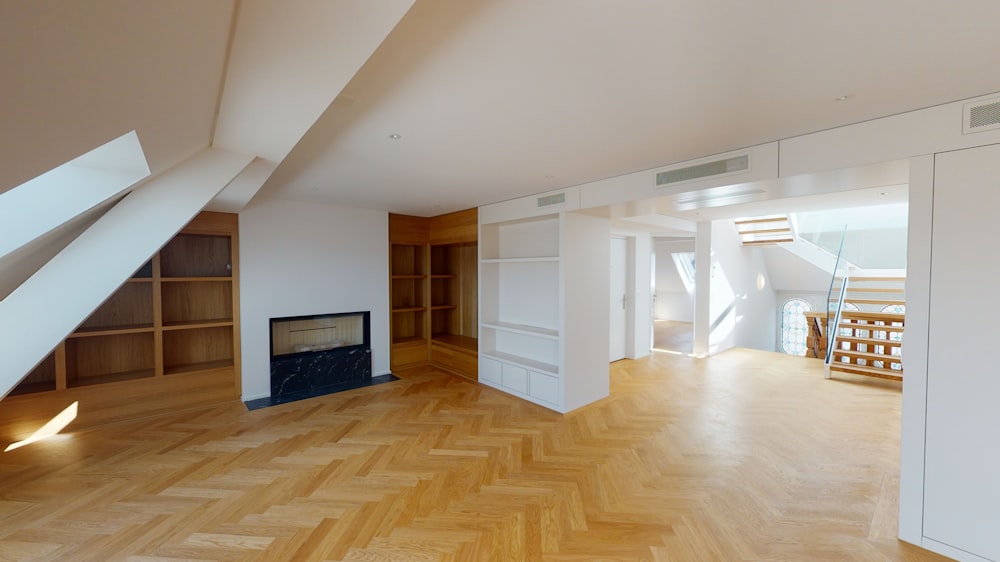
(543, 387)
(515, 378)
(489, 370)
(962, 488)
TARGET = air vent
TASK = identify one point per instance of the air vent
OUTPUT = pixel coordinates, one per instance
(722, 167)
(549, 200)
(981, 116)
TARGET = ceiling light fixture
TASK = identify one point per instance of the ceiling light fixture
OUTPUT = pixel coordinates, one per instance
(844, 97)
(395, 136)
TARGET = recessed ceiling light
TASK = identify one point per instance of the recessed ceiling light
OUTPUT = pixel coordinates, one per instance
(395, 136)
(844, 97)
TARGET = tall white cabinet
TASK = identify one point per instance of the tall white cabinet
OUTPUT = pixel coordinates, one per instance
(961, 512)
(543, 333)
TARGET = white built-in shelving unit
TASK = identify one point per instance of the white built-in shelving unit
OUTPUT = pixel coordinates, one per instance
(531, 274)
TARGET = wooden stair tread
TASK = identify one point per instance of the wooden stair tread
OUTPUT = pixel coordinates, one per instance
(869, 341)
(782, 218)
(872, 327)
(868, 371)
(867, 355)
(876, 316)
(874, 301)
(877, 279)
(893, 290)
(762, 242)
(766, 231)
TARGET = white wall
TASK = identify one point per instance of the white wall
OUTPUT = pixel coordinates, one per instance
(742, 303)
(306, 258)
(673, 300)
(790, 272)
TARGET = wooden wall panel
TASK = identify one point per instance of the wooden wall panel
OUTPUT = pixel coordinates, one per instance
(469, 286)
(197, 301)
(405, 229)
(455, 228)
(130, 305)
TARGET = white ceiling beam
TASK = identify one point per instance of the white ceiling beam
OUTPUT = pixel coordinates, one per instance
(289, 61)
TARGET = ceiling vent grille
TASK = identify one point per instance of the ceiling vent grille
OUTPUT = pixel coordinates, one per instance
(549, 200)
(981, 116)
(731, 165)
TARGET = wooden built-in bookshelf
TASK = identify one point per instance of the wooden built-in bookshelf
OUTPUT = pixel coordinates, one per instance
(434, 291)
(167, 339)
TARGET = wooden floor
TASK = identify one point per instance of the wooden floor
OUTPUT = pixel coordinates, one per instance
(747, 455)
(671, 335)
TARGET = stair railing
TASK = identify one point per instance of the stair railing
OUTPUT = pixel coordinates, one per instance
(841, 270)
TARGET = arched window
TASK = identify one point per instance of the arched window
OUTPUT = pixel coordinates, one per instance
(794, 328)
(895, 336)
(894, 308)
(848, 307)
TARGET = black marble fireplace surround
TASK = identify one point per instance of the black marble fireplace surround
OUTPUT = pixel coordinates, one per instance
(338, 357)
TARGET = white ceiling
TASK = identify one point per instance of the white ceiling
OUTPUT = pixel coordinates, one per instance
(494, 99)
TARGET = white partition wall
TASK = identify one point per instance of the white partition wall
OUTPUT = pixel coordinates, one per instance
(543, 286)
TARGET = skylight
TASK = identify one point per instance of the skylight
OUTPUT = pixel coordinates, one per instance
(42, 204)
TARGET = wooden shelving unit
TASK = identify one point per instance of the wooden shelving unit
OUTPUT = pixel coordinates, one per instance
(169, 330)
(408, 289)
(434, 291)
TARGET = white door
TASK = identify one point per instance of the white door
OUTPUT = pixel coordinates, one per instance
(619, 300)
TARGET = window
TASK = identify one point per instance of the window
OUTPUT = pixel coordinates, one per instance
(895, 336)
(848, 307)
(794, 328)
(895, 308)
(685, 268)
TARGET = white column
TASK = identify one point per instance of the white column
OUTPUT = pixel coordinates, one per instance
(702, 287)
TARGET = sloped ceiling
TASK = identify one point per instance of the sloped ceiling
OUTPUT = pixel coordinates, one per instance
(493, 99)
(78, 74)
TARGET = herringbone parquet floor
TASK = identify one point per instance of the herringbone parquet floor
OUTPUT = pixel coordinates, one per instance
(743, 456)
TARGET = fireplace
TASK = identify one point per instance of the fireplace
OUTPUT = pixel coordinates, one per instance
(320, 353)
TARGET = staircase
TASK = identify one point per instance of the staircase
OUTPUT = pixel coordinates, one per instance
(869, 344)
(870, 331)
(764, 230)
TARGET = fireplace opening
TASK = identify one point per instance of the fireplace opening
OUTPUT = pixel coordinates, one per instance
(321, 353)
